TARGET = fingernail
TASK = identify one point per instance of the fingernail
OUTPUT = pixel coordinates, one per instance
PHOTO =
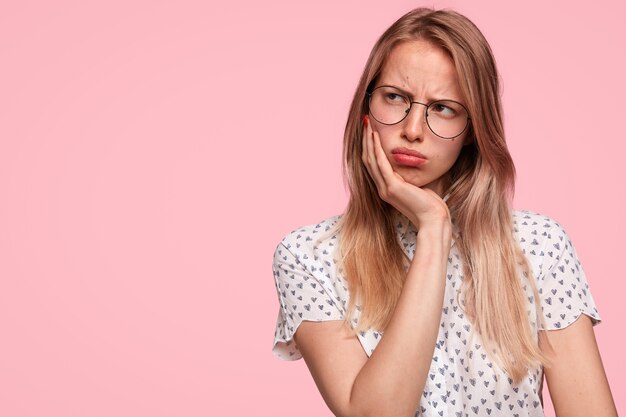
(365, 120)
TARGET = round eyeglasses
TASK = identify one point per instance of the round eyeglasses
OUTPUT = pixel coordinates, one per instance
(445, 118)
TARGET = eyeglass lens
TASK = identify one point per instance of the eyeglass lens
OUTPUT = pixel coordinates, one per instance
(445, 118)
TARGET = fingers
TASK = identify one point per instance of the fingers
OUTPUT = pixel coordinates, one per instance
(377, 163)
(364, 153)
(415, 203)
(369, 157)
(384, 166)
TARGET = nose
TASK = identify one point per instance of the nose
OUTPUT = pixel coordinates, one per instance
(415, 122)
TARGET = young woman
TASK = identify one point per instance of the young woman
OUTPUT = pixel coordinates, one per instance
(429, 296)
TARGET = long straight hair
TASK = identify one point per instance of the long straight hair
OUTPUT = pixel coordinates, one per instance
(481, 185)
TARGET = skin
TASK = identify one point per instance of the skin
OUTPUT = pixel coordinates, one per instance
(390, 382)
(427, 74)
(577, 382)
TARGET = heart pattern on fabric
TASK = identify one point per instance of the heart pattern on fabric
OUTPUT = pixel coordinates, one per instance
(463, 380)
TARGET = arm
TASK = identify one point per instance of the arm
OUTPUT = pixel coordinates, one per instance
(577, 383)
(391, 381)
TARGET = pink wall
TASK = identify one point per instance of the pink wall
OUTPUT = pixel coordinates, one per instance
(153, 153)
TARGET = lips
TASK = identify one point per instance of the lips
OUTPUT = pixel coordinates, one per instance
(410, 152)
(408, 157)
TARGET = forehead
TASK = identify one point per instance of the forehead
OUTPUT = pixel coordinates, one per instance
(422, 69)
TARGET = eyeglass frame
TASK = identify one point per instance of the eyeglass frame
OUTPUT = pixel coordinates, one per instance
(369, 94)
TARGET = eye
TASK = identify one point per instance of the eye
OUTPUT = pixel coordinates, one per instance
(443, 109)
(394, 97)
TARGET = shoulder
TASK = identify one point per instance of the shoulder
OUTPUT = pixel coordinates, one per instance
(307, 282)
(546, 244)
(310, 237)
(527, 220)
(543, 240)
(535, 230)
(310, 244)
(561, 281)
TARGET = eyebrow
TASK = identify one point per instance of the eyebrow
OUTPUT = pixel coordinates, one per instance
(405, 92)
(412, 97)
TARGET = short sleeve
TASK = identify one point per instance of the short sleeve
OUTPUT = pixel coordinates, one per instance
(562, 284)
(303, 294)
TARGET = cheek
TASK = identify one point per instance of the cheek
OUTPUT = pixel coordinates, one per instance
(386, 135)
(448, 153)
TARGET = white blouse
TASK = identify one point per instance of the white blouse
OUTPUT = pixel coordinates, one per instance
(462, 381)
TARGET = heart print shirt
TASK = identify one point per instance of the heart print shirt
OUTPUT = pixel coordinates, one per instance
(462, 381)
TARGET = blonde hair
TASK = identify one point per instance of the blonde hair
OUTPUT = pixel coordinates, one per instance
(481, 185)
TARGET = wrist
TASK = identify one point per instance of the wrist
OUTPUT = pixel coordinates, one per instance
(433, 221)
(435, 229)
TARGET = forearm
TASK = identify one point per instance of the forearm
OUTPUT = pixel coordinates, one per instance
(392, 380)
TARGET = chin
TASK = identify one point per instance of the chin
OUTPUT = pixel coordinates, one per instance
(432, 184)
(417, 181)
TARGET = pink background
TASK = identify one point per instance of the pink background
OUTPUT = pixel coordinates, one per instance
(152, 155)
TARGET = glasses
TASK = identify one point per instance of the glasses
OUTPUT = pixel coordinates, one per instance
(445, 118)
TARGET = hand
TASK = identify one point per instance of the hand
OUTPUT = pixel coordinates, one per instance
(419, 205)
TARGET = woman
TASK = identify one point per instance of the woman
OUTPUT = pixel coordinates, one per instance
(476, 301)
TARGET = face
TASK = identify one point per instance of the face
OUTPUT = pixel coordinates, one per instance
(425, 73)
